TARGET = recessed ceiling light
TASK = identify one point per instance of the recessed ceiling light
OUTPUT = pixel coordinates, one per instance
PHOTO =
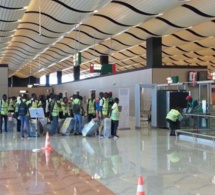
(95, 11)
(160, 14)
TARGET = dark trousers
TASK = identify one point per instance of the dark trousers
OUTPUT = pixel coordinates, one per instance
(114, 126)
(173, 125)
(18, 125)
(90, 117)
(5, 122)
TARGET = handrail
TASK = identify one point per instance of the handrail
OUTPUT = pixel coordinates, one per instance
(212, 115)
(192, 133)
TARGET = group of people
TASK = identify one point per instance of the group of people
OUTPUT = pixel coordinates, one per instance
(174, 116)
(56, 106)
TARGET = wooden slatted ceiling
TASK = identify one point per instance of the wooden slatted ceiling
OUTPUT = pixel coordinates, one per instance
(121, 34)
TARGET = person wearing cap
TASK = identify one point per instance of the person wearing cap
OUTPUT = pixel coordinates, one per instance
(192, 105)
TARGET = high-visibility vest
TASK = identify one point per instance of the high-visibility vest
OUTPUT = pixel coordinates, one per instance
(173, 115)
(4, 107)
(55, 111)
(16, 106)
(11, 105)
(77, 101)
(60, 108)
(27, 103)
(34, 104)
(105, 107)
(91, 106)
(65, 108)
(115, 112)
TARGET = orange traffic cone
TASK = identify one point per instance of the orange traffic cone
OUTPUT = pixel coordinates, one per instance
(47, 154)
(47, 143)
(140, 186)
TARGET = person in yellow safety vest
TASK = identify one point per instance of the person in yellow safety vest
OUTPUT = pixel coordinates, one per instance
(33, 103)
(54, 110)
(91, 108)
(16, 115)
(60, 100)
(42, 102)
(4, 112)
(65, 107)
(103, 103)
(173, 118)
(70, 106)
(25, 119)
(114, 113)
(77, 111)
(11, 106)
(110, 102)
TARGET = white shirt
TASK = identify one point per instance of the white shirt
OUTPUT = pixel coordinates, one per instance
(101, 102)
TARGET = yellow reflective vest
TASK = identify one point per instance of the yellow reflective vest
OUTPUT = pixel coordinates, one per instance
(91, 106)
(4, 107)
(55, 111)
(173, 115)
(105, 107)
(65, 108)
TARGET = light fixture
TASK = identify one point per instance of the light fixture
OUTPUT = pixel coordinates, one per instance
(22, 91)
(95, 11)
(160, 14)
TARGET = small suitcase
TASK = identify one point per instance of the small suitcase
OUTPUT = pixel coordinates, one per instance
(47, 127)
(67, 126)
(60, 123)
(107, 128)
(90, 128)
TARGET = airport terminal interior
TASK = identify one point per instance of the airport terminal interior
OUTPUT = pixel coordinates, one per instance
(151, 54)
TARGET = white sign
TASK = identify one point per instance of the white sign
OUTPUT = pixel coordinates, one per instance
(124, 95)
(97, 66)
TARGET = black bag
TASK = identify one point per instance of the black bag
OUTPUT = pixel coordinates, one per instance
(22, 109)
(51, 107)
(76, 108)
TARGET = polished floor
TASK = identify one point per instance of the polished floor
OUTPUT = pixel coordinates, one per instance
(78, 165)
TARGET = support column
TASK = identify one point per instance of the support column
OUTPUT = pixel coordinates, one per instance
(3, 79)
(76, 73)
(59, 77)
(154, 52)
(47, 80)
(104, 61)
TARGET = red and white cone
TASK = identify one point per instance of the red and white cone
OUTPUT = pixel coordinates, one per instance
(140, 186)
(47, 154)
(47, 142)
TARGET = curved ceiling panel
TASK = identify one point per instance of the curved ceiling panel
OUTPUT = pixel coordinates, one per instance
(42, 36)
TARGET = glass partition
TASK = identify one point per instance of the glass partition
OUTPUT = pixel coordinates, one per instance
(201, 125)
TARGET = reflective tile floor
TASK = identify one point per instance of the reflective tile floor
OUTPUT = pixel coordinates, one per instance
(82, 166)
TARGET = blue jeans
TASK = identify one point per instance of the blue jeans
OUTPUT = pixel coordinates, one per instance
(54, 125)
(25, 120)
(78, 119)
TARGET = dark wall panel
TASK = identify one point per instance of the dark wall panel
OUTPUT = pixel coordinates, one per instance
(21, 82)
